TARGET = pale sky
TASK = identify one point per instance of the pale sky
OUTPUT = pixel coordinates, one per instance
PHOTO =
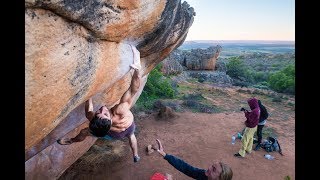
(242, 20)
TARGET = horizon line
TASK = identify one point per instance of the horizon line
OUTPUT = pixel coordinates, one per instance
(236, 40)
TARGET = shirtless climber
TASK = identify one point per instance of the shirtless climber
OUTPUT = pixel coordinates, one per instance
(117, 122)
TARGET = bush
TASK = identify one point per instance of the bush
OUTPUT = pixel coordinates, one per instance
(291, 104)
(261, 77)
(193, 97)
(199, 107)
(244, 75)
(201, 79)
(157, 86)
(261, 85)
(240, 83)
(284, 80)
(276, 99)
(236, 68)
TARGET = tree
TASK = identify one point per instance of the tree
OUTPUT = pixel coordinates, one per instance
(236, 69)
(284, 80)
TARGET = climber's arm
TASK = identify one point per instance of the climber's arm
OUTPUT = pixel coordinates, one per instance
(89, 109)
(136, 78)
(80, 137)
(133, 89)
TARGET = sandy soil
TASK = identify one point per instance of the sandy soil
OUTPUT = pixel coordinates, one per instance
(199, 139)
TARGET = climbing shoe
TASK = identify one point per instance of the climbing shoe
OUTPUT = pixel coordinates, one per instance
(136, 159)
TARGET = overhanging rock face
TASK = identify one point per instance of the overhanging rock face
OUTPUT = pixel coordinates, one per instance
(75, 50)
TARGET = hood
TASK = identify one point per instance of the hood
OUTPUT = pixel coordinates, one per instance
(253, 103)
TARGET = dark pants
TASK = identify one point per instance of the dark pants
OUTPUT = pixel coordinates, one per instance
(259, 133)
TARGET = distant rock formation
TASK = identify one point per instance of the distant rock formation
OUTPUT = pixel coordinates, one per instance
(186, 63)
(196, 59)
(202, 59)
(171, 65)
(75, 50)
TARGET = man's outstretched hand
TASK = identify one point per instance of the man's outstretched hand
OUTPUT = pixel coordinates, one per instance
(160, 148)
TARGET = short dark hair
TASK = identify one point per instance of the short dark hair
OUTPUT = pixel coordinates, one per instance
(99, 127)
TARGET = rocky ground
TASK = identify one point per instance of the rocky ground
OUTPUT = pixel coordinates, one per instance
(199, 139)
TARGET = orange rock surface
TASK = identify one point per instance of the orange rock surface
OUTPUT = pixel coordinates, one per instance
(75, 50)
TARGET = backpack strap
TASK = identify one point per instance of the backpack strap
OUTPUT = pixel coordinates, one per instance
(280, 151)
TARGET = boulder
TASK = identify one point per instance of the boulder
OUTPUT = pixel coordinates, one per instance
(171, 66)
(202, 59)
(166, 113)
(75, 50)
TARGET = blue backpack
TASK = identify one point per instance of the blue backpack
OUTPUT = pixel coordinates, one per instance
(272, 144)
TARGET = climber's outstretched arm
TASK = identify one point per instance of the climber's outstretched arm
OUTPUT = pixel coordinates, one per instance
(127, 97)
(133, 89)
(89, 109)
(80, 137)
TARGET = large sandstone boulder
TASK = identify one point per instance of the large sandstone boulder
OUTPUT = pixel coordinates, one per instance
(202, 59)
(75, 50)
(194, 59)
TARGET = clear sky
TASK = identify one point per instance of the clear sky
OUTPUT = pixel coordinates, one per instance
(242, 20)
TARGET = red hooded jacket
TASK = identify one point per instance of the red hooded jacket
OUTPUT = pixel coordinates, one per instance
(253, 115)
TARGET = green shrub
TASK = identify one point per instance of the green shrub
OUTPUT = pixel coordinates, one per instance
(196, 106)
(261, 85)
(240, 83)
(157, 86)
(236, 68)
(261, 76)
(284, 80)
(291, 104)
(277, 99)
(244, 75)
(194, 97)
(249, 76)
(201, 79)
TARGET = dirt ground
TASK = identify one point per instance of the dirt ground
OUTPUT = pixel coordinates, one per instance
(197, 138)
